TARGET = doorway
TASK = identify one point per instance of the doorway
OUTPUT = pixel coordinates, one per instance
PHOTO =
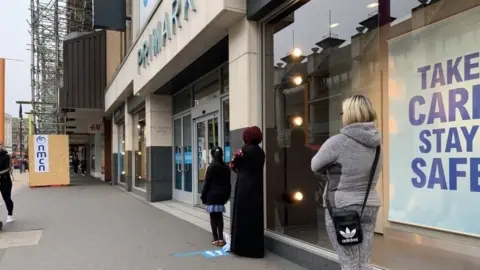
(207, 137)
(183, 165)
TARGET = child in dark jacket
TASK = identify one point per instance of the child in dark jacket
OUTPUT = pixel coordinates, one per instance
(216, 193)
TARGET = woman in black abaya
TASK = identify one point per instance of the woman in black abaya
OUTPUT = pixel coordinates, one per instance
(247, 219)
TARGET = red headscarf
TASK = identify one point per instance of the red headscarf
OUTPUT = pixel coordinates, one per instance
(252, 135)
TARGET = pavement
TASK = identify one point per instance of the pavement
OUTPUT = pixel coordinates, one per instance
(95, 226)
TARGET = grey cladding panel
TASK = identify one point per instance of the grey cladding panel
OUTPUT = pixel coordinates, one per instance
(84, 72)
(110, 15)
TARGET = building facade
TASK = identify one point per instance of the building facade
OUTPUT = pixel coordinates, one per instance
(8, 140)
(19, 135)
(197, 73)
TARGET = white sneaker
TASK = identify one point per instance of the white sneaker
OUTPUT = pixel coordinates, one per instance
(10, 219)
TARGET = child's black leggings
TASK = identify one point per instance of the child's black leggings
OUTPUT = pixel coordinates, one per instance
(216, 220)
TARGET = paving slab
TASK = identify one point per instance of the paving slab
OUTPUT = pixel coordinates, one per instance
(93, 225)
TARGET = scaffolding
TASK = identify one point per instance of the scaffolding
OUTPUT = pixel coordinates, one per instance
(50, 22)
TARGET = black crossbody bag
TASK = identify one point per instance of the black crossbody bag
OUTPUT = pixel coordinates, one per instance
(347, 224)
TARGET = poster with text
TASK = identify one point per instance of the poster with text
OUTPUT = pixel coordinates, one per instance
(434, 119)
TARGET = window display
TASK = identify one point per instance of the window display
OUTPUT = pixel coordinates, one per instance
(140, 151)
(121, 153)
(416, 61)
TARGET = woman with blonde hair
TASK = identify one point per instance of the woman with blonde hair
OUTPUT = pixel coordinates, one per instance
(351, 163)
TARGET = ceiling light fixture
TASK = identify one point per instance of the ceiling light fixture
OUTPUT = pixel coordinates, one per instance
(333, 25)
(372, 5)
(297, 52)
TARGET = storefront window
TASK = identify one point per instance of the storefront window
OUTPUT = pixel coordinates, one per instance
(207, 88)
(225, 80)
(405, 56)
(182, 101)
(140, 151)
(226, 130)
(121, 153)
(316, 56)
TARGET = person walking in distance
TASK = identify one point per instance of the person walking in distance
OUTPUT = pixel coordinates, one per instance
(216, 193)
(6, 181)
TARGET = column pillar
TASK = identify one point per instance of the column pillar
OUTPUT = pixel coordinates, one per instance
(115, 152)
(107, 150)
(99, 147)
(244, 82)
(128, 157)
(159, 123)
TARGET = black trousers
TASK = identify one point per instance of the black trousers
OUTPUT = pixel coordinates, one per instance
(216, 221)
(6, 190)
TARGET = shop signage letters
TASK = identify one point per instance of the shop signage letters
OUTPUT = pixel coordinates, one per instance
(164, 30)
(434, 126)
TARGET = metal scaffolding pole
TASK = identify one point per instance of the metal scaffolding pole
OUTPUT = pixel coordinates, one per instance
(50, 22)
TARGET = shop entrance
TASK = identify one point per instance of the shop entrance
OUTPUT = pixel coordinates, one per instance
(182, 130)
(207, 137)
(208, 131)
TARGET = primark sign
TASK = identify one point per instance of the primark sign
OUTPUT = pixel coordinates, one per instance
(165, 30)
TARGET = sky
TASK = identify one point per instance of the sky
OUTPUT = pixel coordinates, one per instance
(14, 43)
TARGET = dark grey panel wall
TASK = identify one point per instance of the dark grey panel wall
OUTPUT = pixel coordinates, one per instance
(134, 103)
(84, 72)
(257, 9)
(110, 14)
(301, 257)
(119, 115)
(159, 169)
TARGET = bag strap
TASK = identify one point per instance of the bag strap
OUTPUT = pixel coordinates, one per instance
(372, 175)
(369, 186)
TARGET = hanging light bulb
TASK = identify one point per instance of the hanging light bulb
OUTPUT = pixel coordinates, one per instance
(297, 52)
(297, 80)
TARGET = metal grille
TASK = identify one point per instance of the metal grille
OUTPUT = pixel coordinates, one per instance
(50, 22)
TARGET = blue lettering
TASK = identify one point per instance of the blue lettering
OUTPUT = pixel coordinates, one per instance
(438, 133)
(469, 66)
(469, 136)
(175, 16)
(423, 71)
(427, 146)
(474, 174)
(437, 109)
(438, 77)
(452, 70)
(411, 111)
(453, 141)
(421, 179)
(476, 105)
(165, 30)
(437, 167)
(156, 40)
(188, 4)
(454, 172)
(458, 104)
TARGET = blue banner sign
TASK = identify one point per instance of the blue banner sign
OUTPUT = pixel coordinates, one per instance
(434, 117)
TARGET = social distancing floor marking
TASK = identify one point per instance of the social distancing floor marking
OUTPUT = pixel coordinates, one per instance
(206, 253)
(20, 239)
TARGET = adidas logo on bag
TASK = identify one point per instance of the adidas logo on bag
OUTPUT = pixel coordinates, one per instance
(348, 235)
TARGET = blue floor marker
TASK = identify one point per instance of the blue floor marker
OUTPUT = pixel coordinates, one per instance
(209, 254)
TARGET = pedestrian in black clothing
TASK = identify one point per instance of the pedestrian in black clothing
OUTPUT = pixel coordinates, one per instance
(216, 193)
(247, 219)
(75, 164)
(6, 181)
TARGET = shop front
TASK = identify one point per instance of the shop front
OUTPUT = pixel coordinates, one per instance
(418, 63)
(170, 96)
